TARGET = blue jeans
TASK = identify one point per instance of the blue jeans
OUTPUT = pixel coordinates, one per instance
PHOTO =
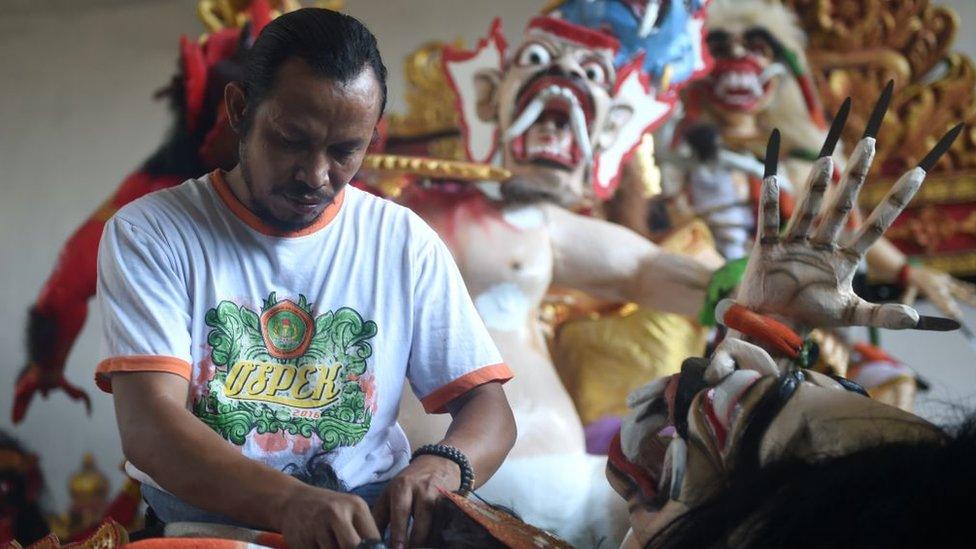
(169, 508)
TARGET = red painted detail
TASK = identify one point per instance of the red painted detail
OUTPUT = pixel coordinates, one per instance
(641, 478)
(451, 55)
(579, 34)
(718, 429)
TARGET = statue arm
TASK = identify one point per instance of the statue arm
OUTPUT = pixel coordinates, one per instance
(614, 263)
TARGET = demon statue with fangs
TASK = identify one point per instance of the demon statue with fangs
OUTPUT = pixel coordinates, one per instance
(562, 119)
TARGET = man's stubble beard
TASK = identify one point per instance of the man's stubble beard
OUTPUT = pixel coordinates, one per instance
(258, 208)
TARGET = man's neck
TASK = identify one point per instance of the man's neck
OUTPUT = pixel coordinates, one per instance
(235, 181)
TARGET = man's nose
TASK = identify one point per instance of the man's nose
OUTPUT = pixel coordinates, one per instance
(314, 172)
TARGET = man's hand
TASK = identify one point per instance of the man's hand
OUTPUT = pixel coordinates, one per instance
(483, 429)
(314, 517)
(414, 492)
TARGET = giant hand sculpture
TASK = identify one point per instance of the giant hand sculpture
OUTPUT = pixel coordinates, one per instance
(742, 408)
(802, 276)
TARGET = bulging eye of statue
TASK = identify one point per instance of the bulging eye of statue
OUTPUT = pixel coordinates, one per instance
(595, 72)
(534, 55)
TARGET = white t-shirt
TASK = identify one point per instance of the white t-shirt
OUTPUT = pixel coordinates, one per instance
(293, 343)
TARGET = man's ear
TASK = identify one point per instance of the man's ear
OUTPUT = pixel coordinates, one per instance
(616, 119)
(486, 87)
(236, 101)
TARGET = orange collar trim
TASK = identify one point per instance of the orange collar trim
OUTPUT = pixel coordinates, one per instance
(247, 216)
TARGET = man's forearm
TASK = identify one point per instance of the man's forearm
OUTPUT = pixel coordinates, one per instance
(188, 459)
(483, 427)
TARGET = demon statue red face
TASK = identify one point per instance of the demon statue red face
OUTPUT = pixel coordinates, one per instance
(745, 76)
(563, 117)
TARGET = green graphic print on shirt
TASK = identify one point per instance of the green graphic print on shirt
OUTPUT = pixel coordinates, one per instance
(282, 370)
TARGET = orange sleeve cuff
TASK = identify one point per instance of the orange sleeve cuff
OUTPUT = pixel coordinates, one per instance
(437, 401)
(139, 363)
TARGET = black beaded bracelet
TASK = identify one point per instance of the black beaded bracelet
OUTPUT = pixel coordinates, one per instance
(455, 455)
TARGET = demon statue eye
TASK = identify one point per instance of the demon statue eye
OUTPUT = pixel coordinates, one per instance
(534, 55)
(719, 43)
(760, 41)
(595, 72)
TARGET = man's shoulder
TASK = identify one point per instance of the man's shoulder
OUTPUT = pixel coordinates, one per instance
(168, 207)
(388, 215)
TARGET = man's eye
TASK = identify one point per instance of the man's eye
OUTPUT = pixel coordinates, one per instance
(290, 141)
(343, 154)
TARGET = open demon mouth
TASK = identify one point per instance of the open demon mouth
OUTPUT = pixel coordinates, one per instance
(552, 125)
(741, 83)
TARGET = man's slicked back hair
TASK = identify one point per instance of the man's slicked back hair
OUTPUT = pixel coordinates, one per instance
(335, 45)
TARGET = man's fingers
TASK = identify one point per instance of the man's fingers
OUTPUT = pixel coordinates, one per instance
(401, 505)
(842, 201)
(345, 533)
(325, 539)
(813, 192)
(893, 316)
(886, 212)
(422, 516)
(363, 521)
(381, 510)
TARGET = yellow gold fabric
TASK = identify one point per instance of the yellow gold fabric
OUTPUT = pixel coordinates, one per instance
(602, 360)
(605, 353)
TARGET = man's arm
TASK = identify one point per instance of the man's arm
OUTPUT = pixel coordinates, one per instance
(164, 440)
(614, 263)
(483, 428)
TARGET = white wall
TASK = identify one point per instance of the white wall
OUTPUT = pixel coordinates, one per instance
(76, 116)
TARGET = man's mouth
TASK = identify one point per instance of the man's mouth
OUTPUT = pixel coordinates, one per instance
(552, 125)
(306, 202)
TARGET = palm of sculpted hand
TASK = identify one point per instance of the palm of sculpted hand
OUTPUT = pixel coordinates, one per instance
(807, 285)
(803, 275)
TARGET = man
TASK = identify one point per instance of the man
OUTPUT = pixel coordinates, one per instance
(263, 320)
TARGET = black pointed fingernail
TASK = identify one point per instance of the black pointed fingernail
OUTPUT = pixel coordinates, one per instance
(936, 324)
(941, 147)
(880, 108)
(772, 154)
(836, 127)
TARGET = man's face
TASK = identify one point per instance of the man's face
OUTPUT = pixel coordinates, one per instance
(744, 76)
(304, 142)
(553, 100)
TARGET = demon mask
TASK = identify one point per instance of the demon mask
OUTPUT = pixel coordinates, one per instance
(564, 116)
